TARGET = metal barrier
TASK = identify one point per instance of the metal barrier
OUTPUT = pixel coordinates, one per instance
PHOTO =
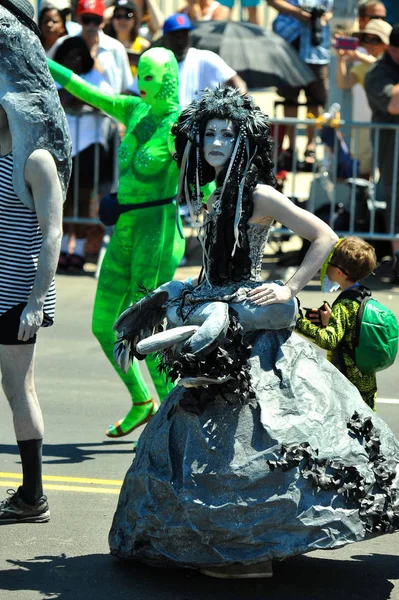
(311, 189)
(112, 140)
(361, 139)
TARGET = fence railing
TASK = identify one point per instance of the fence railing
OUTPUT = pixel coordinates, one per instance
(366, 207)
(112, 140)
(346, 174)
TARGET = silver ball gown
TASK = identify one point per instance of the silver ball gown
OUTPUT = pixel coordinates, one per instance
(295, 462)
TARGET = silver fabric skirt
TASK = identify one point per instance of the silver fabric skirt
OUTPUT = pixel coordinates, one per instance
(304, 465)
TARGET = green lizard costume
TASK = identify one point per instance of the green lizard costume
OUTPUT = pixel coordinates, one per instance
(145, 247)
(337, 339)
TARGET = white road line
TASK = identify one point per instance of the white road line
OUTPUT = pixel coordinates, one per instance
(387, 401)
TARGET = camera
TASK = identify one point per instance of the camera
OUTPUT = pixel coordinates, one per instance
(316, 320)
(316, 37)
(346, 42)
(316, 12)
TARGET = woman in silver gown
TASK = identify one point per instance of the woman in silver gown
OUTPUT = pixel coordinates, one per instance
(263, 450)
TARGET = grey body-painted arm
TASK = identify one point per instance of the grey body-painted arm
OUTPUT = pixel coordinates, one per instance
(268, 203)
(42, 178)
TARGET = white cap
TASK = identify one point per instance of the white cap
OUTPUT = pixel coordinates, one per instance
(57, 4)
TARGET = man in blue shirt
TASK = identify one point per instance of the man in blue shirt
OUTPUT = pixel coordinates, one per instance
(296, 25)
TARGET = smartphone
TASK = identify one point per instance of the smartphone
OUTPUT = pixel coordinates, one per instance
(310, 311)
(346, 42)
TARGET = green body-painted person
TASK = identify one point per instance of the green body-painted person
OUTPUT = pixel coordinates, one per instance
(145, 247)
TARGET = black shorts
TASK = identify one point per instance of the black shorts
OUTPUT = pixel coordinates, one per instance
(316, 91)
(9, 326)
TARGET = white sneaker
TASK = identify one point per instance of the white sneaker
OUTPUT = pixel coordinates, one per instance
(237, 571)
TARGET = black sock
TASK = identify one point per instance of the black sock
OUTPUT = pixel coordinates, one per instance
(31, 457)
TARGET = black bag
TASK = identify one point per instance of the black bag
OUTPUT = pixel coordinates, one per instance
(110, 209)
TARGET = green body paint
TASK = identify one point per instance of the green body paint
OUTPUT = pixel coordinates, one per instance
(145, 247)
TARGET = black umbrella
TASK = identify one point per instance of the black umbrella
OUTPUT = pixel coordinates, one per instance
(262, 58)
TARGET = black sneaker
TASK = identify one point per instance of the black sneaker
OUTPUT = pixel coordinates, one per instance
(15, 510)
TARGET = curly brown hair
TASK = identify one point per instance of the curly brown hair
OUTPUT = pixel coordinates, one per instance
(356, 258)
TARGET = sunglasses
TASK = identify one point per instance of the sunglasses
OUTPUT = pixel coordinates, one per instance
(126, 16)
(87, 19)
(338, 267)
(375, 17)
(373, 41)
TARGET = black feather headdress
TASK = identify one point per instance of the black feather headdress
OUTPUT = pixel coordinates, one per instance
(250, 164)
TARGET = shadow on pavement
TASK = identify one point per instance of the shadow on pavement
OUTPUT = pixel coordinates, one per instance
(99, 576)
(66, 454)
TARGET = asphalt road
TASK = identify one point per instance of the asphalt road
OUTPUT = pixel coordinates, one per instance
(68, 557)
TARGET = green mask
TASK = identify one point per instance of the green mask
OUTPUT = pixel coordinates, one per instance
(158, 79)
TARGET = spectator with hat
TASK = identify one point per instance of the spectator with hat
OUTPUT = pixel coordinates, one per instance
(124, 26)
(109, 54)
(374, 40)
(382, 89)
(198, 69)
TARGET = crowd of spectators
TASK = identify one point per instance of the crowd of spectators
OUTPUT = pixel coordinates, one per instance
(124, 26)
(88, 129)
(351, 69)
(117, 33)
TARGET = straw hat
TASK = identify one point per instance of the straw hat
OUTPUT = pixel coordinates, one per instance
(376, 27)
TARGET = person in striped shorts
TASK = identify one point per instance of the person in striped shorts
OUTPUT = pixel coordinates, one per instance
(34, 174)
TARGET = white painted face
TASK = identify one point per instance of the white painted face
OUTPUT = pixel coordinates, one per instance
(219, 140)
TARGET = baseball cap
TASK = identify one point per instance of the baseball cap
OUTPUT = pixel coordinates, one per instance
(90, 7)
(394, 37)
(128, 4)
(177, 22)
(380, 28)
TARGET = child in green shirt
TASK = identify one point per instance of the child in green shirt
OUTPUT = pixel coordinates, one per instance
(333, 328)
